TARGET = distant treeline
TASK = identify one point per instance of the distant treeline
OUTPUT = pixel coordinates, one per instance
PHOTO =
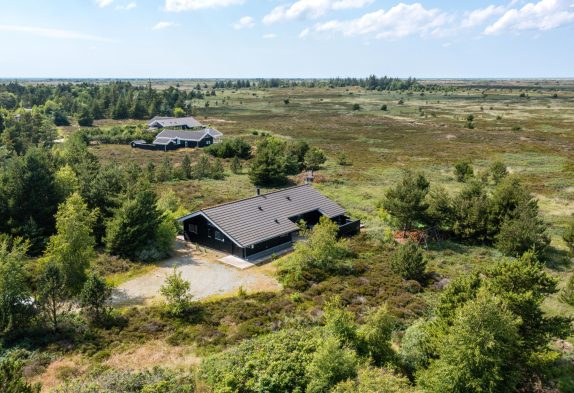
(91, 101)
(371, 83)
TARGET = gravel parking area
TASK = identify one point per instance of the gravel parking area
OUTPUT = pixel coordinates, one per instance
(206, 276)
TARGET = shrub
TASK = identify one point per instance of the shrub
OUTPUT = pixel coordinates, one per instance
(276, 362)
(409, 262)
(375, 335)
(567, 295)
(417, 346)
(95, 297)
(497, 171)
(12, 379)
(313, 260)
(374, 380)
(314, 158)
(331, 364)
(384, 107)
(478, 351)
(232, 147)
(356, 107)
(568, 236)
(463, 171)
(175, 290)
(406, 201)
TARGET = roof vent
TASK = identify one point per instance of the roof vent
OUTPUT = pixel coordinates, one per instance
(288, 197)
(260, 208)
(277, 221)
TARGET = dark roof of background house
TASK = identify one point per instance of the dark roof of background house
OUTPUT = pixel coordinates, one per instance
(175, 122)
(253, 220)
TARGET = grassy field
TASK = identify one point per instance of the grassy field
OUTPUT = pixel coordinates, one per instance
(524, 126)
(530, 129)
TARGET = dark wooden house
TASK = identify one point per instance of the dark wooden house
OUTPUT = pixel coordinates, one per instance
(174, 139)
(259, 226)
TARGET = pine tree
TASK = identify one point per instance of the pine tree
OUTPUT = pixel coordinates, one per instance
(235, 165)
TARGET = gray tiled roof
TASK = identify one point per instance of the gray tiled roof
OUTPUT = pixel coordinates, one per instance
(213, 132)
(253, 220)
(174, 122)
(183, 134)
(162, 141)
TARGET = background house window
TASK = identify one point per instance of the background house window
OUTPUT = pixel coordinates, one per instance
(193, 228)
(219, 236)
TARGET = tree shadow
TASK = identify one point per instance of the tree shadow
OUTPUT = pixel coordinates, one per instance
(557, 259)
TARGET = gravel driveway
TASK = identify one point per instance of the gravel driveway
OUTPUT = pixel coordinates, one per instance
(206, 276)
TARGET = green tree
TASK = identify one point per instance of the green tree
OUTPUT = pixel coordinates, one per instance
(235, 165)
(85, 118)
(340, 323)
(187, 167)
(568, 236)
(72, 247)
(409, 262)
(66, 182)
(374, 380)
(471, 209)
(376, 333)
(178, 112)
(31, 198)
(53, 295)
(267, 168)
(202, 168)
(314, 158)
(315, 258)
(497, 171)
(15, 309)
(12, 378)
(525, 231)
(567, 294)
(95, 298)
(175, 290)
(217, 171)
(405, 202)
(331, 364)
(164, 171)
(477, 353)
(132, 232)
(440, 209)
(463, 171)
(418, 346)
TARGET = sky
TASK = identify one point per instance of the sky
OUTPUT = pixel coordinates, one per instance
(286, 38)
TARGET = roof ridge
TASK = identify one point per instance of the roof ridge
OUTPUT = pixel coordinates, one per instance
(255, 196)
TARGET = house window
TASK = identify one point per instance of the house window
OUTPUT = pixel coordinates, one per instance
(219, 236)
(193, 228)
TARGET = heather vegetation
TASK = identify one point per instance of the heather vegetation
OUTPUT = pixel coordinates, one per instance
(460, 281)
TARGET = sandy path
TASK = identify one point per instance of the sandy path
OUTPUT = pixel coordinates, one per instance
(207, 278)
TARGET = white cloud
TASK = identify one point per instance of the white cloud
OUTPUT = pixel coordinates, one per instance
(480, 16)
(163, 25)
(269, 36)
(304, 33)
(193, 5)
(544, 15)
(127, 7)
(53, 33)
(246, 22)
(402, 20)
(104, 3)
(310, 9)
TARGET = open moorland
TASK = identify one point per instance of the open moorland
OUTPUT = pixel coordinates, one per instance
(370, 138)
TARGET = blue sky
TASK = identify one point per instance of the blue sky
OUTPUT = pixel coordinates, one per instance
(286, 38)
